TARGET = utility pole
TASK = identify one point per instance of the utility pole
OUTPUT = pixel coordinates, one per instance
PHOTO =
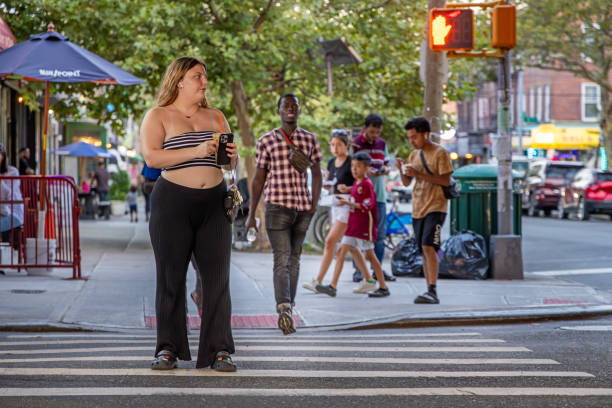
(434, 79)
(504, 150)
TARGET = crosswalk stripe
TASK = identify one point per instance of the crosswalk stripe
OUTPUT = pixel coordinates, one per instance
(280, 341)
(240, 336)
(310, 359)
(423, 349)
(306, 392)
(283, 373)
(440, 349)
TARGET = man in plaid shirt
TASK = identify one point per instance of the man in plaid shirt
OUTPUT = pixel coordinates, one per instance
(289, 204)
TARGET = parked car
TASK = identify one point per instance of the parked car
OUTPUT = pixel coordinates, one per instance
(543, 183)
(590, 192)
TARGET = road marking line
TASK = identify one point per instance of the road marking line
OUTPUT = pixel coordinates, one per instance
(239, 336)
(464, 349)
(311, 359)
(306, 392)
(280, 341)
(283, 373)
(441, 349)
(588, 328)
(594, 271)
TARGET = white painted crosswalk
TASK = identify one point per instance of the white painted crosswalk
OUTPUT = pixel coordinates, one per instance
(268, 357)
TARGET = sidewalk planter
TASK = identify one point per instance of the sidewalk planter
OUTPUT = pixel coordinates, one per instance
(117, 207)
(40, 251)
(476, 207)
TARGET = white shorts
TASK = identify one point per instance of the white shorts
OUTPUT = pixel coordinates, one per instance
(360, 244)
(340, 213)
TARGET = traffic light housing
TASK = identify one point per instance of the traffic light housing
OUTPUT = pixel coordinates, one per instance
(451, 29)
(503, 27)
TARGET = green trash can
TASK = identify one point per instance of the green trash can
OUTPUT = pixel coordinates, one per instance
(476, 207)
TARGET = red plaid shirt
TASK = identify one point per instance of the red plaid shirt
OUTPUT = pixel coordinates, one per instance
(284, 185)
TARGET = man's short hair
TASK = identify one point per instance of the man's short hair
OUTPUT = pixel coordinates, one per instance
(419, 124)
(373, 120)
(23, 149)
(362, 157)
(287, 95)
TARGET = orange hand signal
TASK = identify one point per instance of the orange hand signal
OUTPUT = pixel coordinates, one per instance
(439, 30)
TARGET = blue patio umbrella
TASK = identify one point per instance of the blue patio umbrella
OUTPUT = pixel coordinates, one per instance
(81, 149)
(50, 57)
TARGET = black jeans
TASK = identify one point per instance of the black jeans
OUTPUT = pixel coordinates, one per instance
(286, 230)
(184, 221)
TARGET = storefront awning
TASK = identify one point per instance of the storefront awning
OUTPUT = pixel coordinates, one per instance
(7, 39)
(549, 136)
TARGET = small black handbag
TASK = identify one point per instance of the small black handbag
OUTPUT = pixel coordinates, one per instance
(231, 202)
(449, 191)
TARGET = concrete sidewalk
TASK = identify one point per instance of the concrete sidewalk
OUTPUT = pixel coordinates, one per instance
(119, 293)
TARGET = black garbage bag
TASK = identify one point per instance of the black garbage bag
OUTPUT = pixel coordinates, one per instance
(407, 259)
(464, 256)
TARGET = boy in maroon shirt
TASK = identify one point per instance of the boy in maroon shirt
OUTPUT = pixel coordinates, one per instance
(360, 233)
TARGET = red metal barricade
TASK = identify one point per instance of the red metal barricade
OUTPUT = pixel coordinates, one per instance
(40, 224)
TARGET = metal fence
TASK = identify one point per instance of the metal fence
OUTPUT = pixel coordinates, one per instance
(40, 224)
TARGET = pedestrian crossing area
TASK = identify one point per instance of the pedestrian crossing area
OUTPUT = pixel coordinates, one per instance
(451, 363)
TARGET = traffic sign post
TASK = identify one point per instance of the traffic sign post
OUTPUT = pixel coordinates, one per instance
(452, 29)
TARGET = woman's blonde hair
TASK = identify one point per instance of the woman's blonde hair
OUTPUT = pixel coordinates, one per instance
(168, 90)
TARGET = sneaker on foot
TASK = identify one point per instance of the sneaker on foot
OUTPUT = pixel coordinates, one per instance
(285, 320)
(357, 276)
(380, 292)
(428, 298)
(311, 285)
(365, 287)
(388, 278)
(327, 289)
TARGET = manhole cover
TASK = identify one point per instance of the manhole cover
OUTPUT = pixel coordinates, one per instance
(27, 291)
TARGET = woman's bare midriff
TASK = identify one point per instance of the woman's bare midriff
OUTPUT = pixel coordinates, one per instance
(195, 177)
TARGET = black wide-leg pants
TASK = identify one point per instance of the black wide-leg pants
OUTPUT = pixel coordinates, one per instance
(184, 221)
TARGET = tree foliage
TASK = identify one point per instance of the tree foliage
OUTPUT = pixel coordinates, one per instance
(270, 47)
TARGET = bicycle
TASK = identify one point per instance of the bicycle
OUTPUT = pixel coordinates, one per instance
(396, 223)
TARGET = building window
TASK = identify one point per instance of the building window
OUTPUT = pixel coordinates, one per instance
(531, 102)
(474, 115)
(539, 103)
(590, 101)
(547, 103)
(483, 113)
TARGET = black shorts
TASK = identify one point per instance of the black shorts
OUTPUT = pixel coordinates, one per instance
(428, 230)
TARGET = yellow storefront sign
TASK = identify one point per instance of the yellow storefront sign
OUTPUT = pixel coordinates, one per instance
(548, 136)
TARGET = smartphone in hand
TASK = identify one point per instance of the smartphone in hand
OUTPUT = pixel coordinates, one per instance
(222, 157)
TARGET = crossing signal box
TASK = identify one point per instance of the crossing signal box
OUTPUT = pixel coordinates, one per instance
(451, 29)
(503, 27)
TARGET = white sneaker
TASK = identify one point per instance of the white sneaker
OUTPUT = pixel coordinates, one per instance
(312, 285)
(365, 287)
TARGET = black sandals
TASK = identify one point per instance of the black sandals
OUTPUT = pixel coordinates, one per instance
(165, 360)
(223, 362)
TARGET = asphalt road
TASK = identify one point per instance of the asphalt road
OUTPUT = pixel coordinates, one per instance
(520, 365)
(579, 251)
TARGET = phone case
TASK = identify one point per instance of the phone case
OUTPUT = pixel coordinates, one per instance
(222, 157)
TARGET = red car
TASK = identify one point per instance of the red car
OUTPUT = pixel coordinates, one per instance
(543, 182)
(590, 192)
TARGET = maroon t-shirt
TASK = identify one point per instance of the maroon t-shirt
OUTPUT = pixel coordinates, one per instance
(362, 221)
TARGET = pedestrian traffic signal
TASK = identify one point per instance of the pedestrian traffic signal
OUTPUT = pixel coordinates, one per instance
(451, 29)
(503, 27)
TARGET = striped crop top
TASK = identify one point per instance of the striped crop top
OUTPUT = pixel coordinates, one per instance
(191, 139)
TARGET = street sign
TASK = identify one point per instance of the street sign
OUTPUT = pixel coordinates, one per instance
(451, 29)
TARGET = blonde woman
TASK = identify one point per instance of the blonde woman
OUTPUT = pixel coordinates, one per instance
(188, 216)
